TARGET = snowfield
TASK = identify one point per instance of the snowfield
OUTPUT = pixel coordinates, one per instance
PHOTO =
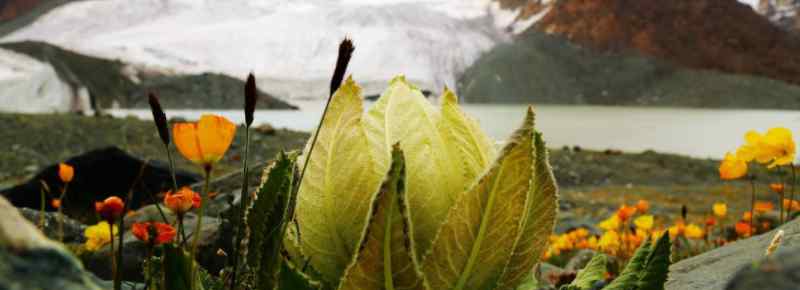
(290, 45)
(30, 86)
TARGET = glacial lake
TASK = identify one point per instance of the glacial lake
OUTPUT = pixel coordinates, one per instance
(703, 133)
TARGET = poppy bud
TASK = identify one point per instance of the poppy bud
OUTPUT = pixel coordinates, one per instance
(110, 209)
(250, 96)
(346, 49)
(65, 172)
(159, 118)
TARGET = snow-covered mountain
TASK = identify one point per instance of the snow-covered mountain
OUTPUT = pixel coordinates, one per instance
(289, 44)
(784, 13)
(30, 86)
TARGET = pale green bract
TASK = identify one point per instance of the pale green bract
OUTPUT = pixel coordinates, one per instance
(410, 196)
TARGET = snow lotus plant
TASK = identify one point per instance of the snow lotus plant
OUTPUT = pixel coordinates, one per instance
(410, 196)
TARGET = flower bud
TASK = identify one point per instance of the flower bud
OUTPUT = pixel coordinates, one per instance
(159, 118)
(250, 96)
(346, 49)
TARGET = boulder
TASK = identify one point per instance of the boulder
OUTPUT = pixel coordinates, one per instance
(47, 222)
(98, 174)
(781, 272)
(714, 269)
(32, 261)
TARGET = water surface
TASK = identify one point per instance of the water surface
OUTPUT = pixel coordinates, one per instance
(694, 132)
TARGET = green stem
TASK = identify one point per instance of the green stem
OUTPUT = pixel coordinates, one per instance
(244, 204)
(41, 210)
(198, 228)
(171, 168)
(791, 195)
(780, 202)
(114, 272)
(752, 205)
(61, 212)
(118, 263)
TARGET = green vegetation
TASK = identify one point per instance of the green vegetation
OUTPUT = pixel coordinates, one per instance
(539, 68)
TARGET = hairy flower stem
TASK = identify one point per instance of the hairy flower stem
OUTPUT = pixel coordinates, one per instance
(780, 203)
(114, 272)
(244, 203)
(198, 227)
(752, 204)
(41, 210)
(171, 168)
(61, 212)
(791, 195)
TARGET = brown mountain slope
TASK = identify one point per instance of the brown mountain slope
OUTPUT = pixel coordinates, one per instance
(722, 35)
(10, 9)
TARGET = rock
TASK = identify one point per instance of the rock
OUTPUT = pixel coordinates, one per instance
(777, 273)
(98, 174)
(712, 270)
(265, 129)
(32, 261)
(73, 230)
(579, 260)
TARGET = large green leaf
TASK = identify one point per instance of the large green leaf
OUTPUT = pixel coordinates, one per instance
(336, 192)
(594, 271)
(291, 278)
(402, 114)
(386, 258)
(177, 268)
(464, 139)
(478, 236)
(655, 271)
(540, 218)
(630, 275)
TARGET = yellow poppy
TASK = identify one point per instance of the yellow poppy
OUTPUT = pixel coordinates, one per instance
(609, 242)
(776, 146)
(65, 172)
(732, 167)
(693, 231)
(644, 222)
(610, 224)
(720, 209)
(98, 236)
(206, 141)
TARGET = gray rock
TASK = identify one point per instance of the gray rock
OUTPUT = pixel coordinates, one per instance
(781, 272)
(712, 270)
(32, 261)
(579, 260)
(73, 230)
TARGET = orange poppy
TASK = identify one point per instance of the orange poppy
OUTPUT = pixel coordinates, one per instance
(777, 187)
(642, 206)
(164, 232)
(56, 203)
(110, 209)
(625, 212)
(792, 205)
(763, 206)
(711, 221)
(206, 141)
(182, 201)
(65, 172)
(743, 229)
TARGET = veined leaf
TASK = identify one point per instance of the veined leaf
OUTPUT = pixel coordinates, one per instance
(335, 195)
(476, 240)
(402, 114)
(656, 268)
(276, 178)
(540, 217)
(292, 278)
(594, 271)
(464, 138)
(386, 258)
(629, 276)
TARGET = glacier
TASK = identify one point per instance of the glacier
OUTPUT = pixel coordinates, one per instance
(289, 45)
(30, 86)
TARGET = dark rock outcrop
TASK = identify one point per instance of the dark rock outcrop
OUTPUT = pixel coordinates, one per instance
(99, 174)
(715, 269)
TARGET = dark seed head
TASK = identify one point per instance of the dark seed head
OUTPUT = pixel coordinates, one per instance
(250, 96)
(159, 118)
(346, 49)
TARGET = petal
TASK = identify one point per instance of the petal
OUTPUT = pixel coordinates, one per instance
(215, 134)
(185, 136)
